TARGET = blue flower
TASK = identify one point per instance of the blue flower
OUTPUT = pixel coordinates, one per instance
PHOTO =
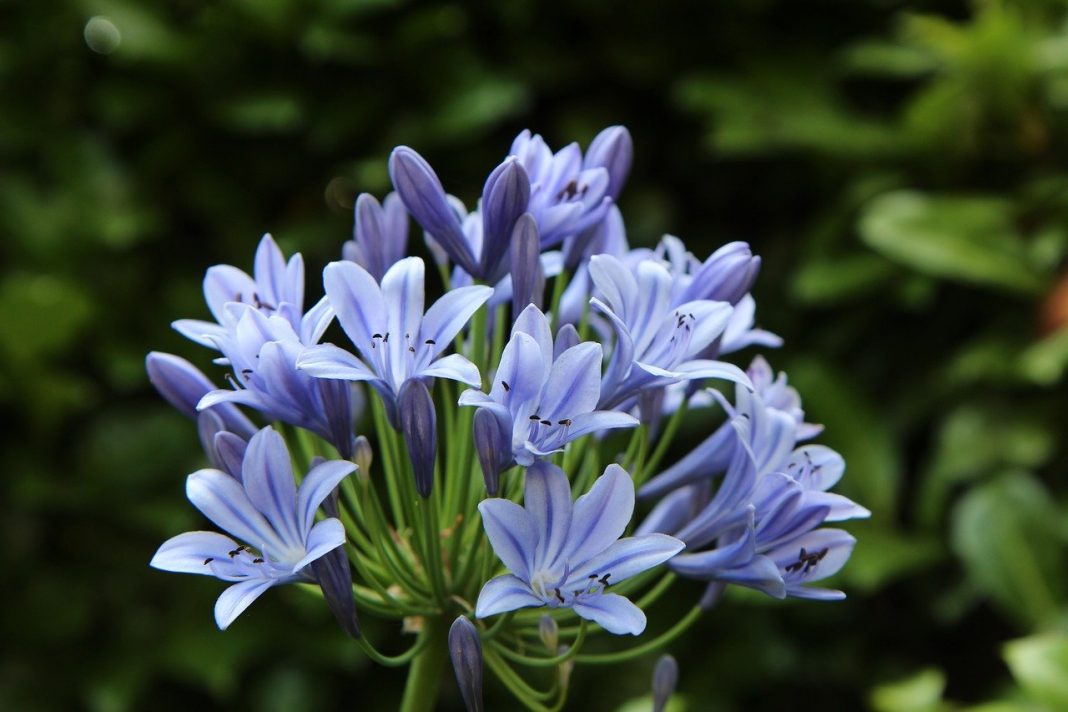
(395, 339)
(567, 554)
(545, 398)
(276, 290)
(379, 234)
(263, 352)
(273, 524)
(657, 344)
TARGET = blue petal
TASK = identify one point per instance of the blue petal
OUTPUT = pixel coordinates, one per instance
(358, 302)
(224, 284)
(503, 594)
(317, 485)
(598, 421)
(323, 538)
(612, 612)
(237, 598)
(574, 383)
(512, 533)
(267, 475)
(533, 322)
(448, 315)
(222, 500)
(329, 361)
(838, 543)
(204, 333)
(269, 268)
(521, 367)
(626, 558)
(816, 467)
(705, 460)
(190, 553)
(504, 198)
(402, 290)
(315, 323)
(670, 513)
(547, 496)
(601, 515)
(455, 368)
(615, 282)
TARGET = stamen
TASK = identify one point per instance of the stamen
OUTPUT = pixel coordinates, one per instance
(559, 595)
(208, 560)
(430, 342)
(506, 386)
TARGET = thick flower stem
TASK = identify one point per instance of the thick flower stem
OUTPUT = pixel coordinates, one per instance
(426, 672)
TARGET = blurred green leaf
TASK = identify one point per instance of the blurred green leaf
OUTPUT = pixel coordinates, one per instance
(884, 555)
(1006, 535)
(921, 692)
(1040, 665)
(960, 238)
(833, 280)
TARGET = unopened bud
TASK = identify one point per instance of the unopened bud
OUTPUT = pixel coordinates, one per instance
(526, 264)
(465, 650)
(549, 632)
(665, 677)
(563, 670)
(363, 457)
(419, 425)
(489, 444)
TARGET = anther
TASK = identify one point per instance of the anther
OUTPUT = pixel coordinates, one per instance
(559, 595)
(430, 342)
(208, 560)
(566, 422)
(506, 386)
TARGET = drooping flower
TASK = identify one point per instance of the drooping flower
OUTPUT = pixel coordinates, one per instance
(277, 289)
(183, 385)
(656, 344)
(395, 339)
(567, 554)
(272, 521)
(545, 398)
(379, 234)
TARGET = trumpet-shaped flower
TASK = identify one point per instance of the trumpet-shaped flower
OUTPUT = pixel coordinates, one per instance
(277, 289)
(395, 339)
(567, 554)
(657, 344)
(272, 521)
(543, 400)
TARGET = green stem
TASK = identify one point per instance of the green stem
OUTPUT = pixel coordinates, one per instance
(424, 676)
(534, 661)
(653, 645)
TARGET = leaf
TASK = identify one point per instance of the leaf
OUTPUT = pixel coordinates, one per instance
(884, 555)
(921, 692)
(831, 280)
(1040, 665)
(968, 239)
(1005, 533)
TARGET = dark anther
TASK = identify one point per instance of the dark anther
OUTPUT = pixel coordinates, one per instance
(535, 417)
(385, 339)
(257, 560)
(506, 386)
(412, 349)
(430, 342)
(593, 576)
(566, 422)
(559, 595)
(569, 191)
(604, 580)
(246, 372)
(546, 422)
(376, 336)
(407, 336)
(231, 380)
(208, 560)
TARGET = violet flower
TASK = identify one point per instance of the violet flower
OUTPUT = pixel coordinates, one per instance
(543, 400)
(396, 341)
(567, 554)
(266, 511)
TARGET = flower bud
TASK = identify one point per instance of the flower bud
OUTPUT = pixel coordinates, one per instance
(363, 457)
(465, 650)
(424, 196)
(490, 446)
(564, 669)
(419, 424)
(505, 197)
(712, 595)
(566, 337)
(549, 632)
(183, 385)
(230, 450)
(380, 234)
(613, 150)
(726, 276)
(665, 677)
(526, 264)
(333, 572)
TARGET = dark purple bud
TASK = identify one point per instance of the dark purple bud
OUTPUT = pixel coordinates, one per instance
(337, 402)
(423, 195)
(490, 443)
(418, 422)
(183, 385)
(651, 407)
(377, 245)
(576, 247)
(613, 150)
(665, 678)
(566, 337)
(465, 650)
(726, 276)
(505, 197)
(526, 264)
(333, 573)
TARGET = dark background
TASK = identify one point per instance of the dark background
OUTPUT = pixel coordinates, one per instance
(900, 167)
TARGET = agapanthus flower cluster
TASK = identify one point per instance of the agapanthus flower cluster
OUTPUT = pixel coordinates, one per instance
(487, 470)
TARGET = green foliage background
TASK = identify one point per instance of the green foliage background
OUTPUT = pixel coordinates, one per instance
(900, 166)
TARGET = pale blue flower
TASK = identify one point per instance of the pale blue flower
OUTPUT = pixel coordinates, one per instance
(395, 339)
(567, 554)
(657, 344)
(277, 289)
(266, 512)
(545, 398)
(379, 234)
